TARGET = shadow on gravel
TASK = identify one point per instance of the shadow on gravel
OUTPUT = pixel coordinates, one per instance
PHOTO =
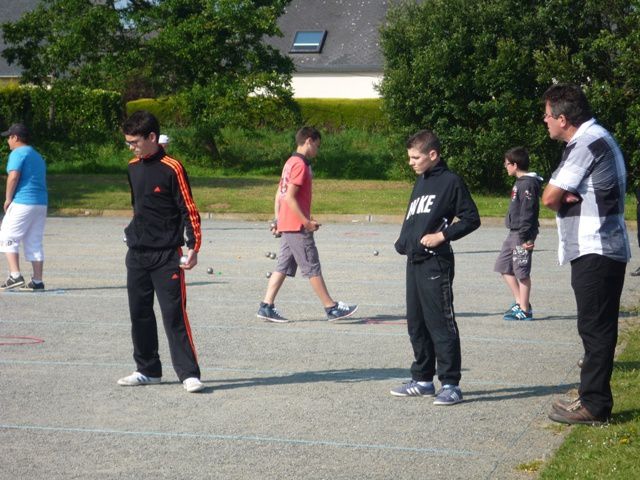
(512, 393)
(340, 376)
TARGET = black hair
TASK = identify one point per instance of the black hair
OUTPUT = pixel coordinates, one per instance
(519, 156)
(570, 101)
(141, 123)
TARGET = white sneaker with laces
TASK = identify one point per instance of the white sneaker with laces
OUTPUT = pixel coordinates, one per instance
(193, 384)
(137, 378)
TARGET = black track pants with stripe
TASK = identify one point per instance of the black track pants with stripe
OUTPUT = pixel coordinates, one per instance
(431, 320)
(158, 271)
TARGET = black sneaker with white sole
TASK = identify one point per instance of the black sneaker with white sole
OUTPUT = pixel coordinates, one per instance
(33, 287)
(11, 282)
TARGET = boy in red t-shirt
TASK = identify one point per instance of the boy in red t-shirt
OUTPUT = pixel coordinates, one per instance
(292, 208)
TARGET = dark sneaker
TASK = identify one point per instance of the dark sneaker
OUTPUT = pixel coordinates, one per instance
(33, 287)
(11, 282)
(340, 310)
(510, 311)
(574, 414)
(414, 389)
(636, 272)
(270, 314)
(580, 362)
(448, 395)
(519, 314)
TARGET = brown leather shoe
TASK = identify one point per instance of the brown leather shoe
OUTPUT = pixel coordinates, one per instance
(576, 413)
(563, 404)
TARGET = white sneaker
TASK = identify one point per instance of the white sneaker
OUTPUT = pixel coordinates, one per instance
(136, 378)
(193, 384)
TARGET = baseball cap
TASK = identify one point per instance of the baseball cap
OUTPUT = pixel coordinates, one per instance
(18, 129)
(164, 139)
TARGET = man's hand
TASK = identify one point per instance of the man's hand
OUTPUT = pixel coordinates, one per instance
(569, 197)
(192, 260)
(6, 204)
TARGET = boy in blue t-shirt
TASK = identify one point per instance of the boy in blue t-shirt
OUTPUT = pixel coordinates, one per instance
(25, 208)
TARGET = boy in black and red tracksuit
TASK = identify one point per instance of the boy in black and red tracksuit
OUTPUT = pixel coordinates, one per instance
(163, 214)
(438, 197)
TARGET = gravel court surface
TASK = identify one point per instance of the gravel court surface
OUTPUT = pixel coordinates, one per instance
(307, 399)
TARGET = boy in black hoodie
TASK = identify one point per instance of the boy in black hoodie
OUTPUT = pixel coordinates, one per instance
(514, 261)
(438, 197)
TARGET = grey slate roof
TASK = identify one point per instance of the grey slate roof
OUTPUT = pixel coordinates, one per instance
(353, 40)
(352, 43)
(10, 11)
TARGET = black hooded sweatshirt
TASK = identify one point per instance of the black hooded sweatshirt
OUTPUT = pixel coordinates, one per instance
(438, 196)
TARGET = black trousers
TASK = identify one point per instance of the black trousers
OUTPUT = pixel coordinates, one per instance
(158, 271)
(597, 284)
(431, 321)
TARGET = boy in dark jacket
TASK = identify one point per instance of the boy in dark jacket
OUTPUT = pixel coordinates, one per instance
(438, 197)
(514, 261)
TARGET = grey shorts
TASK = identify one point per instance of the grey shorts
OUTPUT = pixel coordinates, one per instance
(298, 249)
(512, 262)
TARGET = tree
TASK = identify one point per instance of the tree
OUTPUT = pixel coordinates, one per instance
(210, 53)
(474, 71)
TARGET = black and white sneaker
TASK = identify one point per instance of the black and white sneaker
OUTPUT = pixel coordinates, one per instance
(340, 310)
(33, 286)
(11, 282)
(270, 314)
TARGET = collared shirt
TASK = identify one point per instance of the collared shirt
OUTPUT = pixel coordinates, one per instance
(592, 167)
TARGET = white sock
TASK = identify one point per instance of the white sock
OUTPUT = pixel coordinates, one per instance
(15, 275)
(424, 384)
(36, 281)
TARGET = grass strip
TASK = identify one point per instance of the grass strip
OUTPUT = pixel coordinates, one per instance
(254, 195)
(613, 450)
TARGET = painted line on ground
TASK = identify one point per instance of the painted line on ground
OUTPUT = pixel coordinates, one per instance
(246, 438)
(287, 329)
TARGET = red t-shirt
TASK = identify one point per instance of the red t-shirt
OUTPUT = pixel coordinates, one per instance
(296, 172)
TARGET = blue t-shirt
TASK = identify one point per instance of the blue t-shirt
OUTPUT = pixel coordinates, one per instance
(32, 185)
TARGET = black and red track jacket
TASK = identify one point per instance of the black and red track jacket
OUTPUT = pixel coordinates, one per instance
(164, 212)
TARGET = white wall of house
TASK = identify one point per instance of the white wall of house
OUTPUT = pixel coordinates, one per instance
(335, 85)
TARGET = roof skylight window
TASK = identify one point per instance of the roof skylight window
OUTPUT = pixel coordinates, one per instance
(308, 41)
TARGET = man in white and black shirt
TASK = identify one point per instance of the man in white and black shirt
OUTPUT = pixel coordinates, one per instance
(587, 191)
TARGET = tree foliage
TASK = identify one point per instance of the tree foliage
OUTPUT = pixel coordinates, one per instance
(209, 53)
(474, 71)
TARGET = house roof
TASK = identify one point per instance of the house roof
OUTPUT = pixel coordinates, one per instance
(10, 11)
(352, 43)
(353, 40)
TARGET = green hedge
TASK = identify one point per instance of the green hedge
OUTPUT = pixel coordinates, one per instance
(65, 113)
(338, 114)
(328, 114)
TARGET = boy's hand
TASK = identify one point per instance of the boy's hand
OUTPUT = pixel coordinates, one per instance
(192, 260)
(432, 240)
(528, 245)
(311, 225)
